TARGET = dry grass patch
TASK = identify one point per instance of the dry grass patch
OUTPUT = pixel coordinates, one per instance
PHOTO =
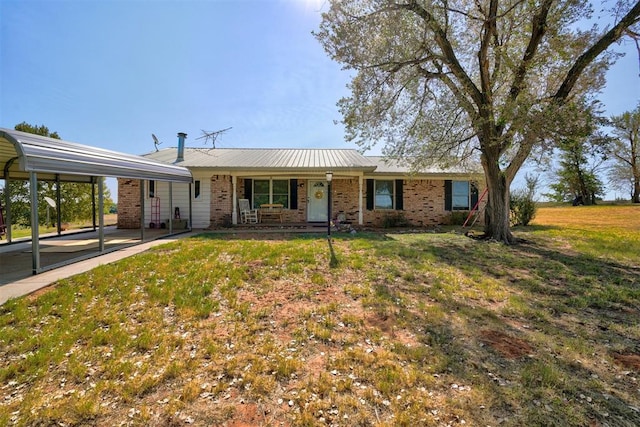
(397, 329)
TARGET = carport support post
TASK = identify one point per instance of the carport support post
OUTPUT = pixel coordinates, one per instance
(7, 206)
(170, 207)
(58, 210)
(35, 237)
(142, 210)
(101, 214)
(190, 210)
(93, 201)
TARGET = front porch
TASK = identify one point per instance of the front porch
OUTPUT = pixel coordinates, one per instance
(301, 200)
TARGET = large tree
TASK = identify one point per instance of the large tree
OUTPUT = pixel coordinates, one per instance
(626, 152)
(438, 80)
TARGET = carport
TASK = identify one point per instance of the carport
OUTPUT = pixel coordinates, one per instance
(25, 156)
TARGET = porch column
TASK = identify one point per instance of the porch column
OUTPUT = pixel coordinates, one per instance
(234, 200)
(35, 232)
(360, 209)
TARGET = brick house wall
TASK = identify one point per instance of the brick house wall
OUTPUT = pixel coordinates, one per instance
(423, 205)
(128, 203)
(221, 200)
(344, 199)
(423, 202)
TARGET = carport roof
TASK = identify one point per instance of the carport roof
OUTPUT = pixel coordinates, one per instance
(22, 153)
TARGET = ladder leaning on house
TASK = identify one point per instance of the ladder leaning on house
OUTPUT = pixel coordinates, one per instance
(476, 211)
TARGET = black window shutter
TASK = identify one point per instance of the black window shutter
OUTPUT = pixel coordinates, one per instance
(293, 191)
(370, 195)
(248, 189)
(447, 195)
(399, 195)
(474, 195)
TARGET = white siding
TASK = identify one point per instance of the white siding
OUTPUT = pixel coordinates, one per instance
(180, 193)
(202, 205)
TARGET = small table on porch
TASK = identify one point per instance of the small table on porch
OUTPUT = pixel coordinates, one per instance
(270, 210)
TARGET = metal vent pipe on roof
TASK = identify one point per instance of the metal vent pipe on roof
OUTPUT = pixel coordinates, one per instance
(181, 138)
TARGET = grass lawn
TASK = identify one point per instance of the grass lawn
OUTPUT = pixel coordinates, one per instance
(376, 330)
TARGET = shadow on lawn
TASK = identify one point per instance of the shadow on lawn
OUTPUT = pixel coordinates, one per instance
(567, 298)
(333, 261)
(559, 282)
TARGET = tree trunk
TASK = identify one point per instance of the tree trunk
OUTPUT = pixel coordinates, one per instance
(497, 225)
(636, 191)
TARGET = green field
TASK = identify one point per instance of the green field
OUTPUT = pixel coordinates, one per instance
(18, 232)
(378, 329)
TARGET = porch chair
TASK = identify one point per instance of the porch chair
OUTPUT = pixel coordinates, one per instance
(247, 215)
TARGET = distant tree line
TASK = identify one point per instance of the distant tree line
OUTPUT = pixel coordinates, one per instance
(601, 149)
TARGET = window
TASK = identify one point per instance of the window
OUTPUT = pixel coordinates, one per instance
(196, 189)
(152, 189)
(280, 192)
(384, 194)
(460, 195)
(260, 192)
(271, 191)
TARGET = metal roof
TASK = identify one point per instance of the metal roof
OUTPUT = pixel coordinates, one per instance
(296, 160)
(21, 153)
(395, 167)
(258, 159)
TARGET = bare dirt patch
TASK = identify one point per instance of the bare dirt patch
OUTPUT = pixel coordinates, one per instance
(508, 346)
(247, 415)
(628, 360)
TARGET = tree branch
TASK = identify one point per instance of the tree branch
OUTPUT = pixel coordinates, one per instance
(522, 153)
(610, 37)
(537, 32)
(489, 31)
(460, 96)
(449, 54)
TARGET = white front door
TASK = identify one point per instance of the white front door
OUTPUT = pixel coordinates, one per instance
(317, 201)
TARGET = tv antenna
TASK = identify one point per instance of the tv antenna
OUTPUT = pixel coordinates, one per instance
(155, 141)
(213, 136)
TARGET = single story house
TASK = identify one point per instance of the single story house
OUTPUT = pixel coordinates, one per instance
(365, 190)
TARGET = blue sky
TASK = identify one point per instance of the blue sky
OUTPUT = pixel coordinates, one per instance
(109, 73)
